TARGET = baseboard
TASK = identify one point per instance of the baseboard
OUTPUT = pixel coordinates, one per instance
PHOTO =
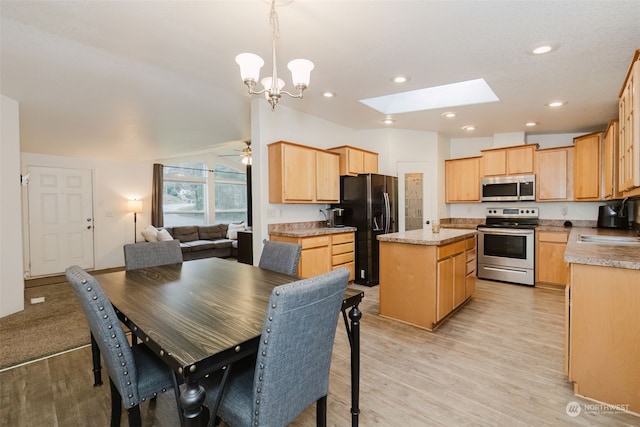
(61, 278)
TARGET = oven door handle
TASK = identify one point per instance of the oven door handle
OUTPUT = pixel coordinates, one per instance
(514, 232)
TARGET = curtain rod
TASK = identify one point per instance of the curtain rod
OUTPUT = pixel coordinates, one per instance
(202, 170)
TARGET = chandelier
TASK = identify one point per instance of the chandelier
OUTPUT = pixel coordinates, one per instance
(251, 63)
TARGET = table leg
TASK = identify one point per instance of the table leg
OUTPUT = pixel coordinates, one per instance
(97, 369)
(191, 400)
(353, 331)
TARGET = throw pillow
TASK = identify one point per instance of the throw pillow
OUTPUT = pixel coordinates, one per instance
(232, 232)
(150, 233)
(163, 235)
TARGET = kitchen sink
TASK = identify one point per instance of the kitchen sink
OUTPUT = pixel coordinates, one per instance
(608, 240)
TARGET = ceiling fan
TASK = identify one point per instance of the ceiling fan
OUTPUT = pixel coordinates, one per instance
(245, 153)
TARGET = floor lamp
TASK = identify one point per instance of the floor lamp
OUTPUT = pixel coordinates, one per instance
(135, 206)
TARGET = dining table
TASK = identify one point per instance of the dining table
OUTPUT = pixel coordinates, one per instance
(200, 316)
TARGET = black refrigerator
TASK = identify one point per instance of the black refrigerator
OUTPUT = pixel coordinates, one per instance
(370, 204)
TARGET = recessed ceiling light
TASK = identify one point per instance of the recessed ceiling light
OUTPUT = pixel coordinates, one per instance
(543, 48)
(530, 124)
(449, 114)
(469, 128)
(328, 94)
(388, 121)
(400, 79)
(556, 104)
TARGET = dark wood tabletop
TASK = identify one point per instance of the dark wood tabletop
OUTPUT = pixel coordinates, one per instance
(199, 314)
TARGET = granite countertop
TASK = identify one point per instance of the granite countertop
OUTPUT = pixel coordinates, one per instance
(428, 238)
(620, 255)
(308, 232)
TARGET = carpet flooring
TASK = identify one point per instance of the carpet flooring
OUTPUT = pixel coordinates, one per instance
(43, 329)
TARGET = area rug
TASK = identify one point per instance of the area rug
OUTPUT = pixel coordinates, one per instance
(43, 329)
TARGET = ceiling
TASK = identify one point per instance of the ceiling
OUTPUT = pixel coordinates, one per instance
(149, 79)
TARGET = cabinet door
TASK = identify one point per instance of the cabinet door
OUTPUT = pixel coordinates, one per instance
(554, 174)
(370, 162)
(586, 167)
(327, 169)
(462, 180)
(459, 278)
(551, 267)
(494, 163)
(315, 261)
(444, 288)
(610, 160)
(298, 165)
(520, 160)
(629, 132)
(355, 161)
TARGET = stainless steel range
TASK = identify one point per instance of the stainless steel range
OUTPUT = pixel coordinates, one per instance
(506, 245)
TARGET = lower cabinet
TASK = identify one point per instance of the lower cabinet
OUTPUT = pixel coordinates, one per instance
(323, 253)
(423, 284)
(551, 268)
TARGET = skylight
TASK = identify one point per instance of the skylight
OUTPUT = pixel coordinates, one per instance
(451, 95)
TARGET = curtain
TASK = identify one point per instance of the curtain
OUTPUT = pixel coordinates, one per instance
(157, 215)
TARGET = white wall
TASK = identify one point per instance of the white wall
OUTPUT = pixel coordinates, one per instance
(114, 183)
(11, 281)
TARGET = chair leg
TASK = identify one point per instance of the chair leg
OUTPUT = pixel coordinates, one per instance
(116, 405)
(134, 416)
(321, 412)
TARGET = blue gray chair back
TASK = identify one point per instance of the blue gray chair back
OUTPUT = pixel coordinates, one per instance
(294, 356)
(151, 254)
(111, 339)
(281, 257)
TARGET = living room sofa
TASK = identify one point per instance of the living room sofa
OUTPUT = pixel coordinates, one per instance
(206, 241)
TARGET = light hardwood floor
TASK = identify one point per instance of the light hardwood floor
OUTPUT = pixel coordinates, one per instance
(497, 362)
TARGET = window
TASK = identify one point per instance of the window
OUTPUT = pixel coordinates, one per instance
(230, 195)
(184, 198)
(193, 196)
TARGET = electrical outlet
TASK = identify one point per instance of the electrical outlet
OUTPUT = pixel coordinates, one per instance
(37, 300)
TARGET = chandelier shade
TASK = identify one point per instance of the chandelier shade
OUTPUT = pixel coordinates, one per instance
(250, 65)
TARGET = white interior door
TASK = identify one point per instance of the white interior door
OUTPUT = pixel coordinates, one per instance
(428, 173)
(60, 220)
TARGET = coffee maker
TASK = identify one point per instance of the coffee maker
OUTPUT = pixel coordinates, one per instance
(334, 217)
(613, 215)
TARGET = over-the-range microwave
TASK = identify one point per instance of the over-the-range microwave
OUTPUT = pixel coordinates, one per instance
(511, 188)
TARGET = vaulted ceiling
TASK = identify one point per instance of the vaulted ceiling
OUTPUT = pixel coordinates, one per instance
(148, 79)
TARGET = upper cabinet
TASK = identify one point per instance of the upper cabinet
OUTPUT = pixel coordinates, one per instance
(586, 167)
(629, 132)
(462, 180)
(508, 161)
(300, 174)
(354, 161)
(554, 170)
(610, 162)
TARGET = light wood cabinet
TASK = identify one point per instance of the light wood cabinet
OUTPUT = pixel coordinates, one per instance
(321, 254)
(603, 334)
(343, 252)
(354, 161)
(423, 284)
(300, 174)
(508, 161)
(462, 180)
(554, 170)
(610, 162)
(629, 131)
(586, 166)
(551, 268)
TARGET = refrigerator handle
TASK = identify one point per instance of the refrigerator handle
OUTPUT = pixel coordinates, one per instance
(387, 210)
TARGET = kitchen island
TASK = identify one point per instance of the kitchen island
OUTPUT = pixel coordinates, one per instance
(602, 318)
(425, 277)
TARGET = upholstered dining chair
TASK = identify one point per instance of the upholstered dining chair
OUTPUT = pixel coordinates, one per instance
(151, 254)
(291, 369)
(281, 257)
(135, 373)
